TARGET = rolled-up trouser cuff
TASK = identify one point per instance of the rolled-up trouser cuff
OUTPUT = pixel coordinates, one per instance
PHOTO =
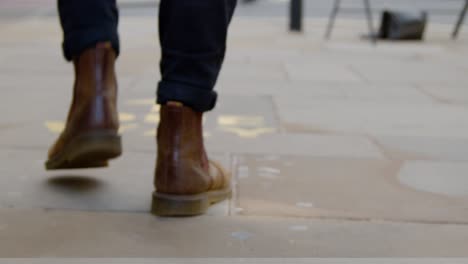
(198, 99)
(78, 41)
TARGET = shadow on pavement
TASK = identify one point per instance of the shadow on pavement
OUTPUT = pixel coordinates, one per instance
(75, 183)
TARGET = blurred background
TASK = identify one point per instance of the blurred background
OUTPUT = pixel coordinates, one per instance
(441, 11)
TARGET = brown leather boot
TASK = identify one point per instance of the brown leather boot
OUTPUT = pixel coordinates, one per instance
(186, 182)
(90, 137)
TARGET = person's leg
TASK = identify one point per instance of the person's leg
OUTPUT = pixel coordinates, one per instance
(90, 137)
(193, 41)
(87, 22)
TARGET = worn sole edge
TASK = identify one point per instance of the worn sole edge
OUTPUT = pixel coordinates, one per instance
(88, 151)
(187, 205)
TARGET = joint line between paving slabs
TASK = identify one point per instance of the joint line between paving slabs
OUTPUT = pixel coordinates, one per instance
(360, 75)
(233, 202)
(380, 147)
(433, 97)
(276, 115)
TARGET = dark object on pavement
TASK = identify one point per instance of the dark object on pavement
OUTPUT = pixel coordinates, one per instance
(296, 16)
(403, 26)
(91, 136)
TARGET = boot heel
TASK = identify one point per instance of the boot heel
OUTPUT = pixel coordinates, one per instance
(187, 205)
(95, 147)
(88, 151)
(179, 205)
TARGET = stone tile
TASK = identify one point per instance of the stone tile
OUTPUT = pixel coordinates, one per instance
(386, 93)
(251, 88)
(253, 72)
(399, 50)
(341, 188)
(143, 86)
(27, 111)
(254, 119)
(243, 112)
(447, 93)
(319, 71)
(424, 148)
(33, 31)
(277, 54)
(139, 117)
(343, 180)
(35, 61)
(82, 234)
(374, 118)
(303, 94)
(405, 71)
(242, 28)
(295, 144)
(35, 83)
(45, 84)
(349, 53)
(137, 137)
(126, 185)
(139, 59)
(38, 98)
(444, 178)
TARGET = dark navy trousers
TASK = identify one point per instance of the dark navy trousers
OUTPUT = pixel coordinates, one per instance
(192, 34)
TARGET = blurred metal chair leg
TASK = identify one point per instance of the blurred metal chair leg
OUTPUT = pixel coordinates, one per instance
(336, 10)
(460, 20)
(370, 21)
(331, 22)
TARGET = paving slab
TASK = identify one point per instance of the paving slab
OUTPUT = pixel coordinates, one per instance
(303, 94)
(397, 72)
(297, 144)
(49, 61)
(34, 30)
(37, 98)
(126, 185)
(139, 117)
(320, 71)
(444, 178)
(236, 141)
(256, 118)
(39, 233)
(250, 88)
(396, 50)
(253, 128)
(423, 148)
(447, 93)
(139, 59)
(347, 188)
(374, 118)
(242, 71)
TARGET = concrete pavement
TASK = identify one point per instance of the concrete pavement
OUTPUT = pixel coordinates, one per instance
(339, 149)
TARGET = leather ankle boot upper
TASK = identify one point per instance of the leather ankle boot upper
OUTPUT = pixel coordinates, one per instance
(182, 164)
(94, 105)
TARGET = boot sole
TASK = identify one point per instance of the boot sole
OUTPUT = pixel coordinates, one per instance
(88, 151)
(186, 205)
